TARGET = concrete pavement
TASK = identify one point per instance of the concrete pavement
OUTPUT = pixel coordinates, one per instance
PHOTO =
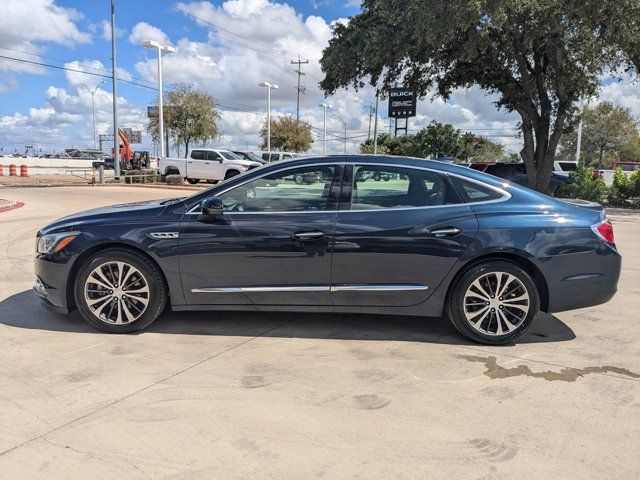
(254, 395)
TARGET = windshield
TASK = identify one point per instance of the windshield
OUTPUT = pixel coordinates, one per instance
(228, 155)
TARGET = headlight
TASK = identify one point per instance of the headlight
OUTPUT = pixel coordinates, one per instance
(55, 242)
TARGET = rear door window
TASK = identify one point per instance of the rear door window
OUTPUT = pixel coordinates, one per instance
(381, 187)
(199, 155)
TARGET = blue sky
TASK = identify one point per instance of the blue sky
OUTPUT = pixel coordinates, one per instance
(225, 48)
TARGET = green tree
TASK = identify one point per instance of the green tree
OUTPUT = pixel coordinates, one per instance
(582, 184)
(287, 134)
(609, 133)
(190, 116)
(539, 56)
(439, 140)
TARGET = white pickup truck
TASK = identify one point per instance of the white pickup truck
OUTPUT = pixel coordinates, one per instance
(210, 164)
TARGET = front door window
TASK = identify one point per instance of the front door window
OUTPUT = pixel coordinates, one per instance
(304, 189)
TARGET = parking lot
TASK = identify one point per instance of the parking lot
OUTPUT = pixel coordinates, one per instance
(246, 395)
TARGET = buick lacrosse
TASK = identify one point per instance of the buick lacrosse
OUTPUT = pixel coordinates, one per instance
(366, 234)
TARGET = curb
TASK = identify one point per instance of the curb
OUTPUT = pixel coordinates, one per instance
(10, 205)
(135, 185)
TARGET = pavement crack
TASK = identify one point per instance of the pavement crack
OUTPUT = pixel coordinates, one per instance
(140, 390)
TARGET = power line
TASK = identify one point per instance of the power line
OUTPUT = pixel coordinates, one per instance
(68, 69)
(71, 61)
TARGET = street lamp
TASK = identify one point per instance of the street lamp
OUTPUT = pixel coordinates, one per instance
(160, 49)
(324, 106)
(93, 108)
(345, 131)
(269, 87)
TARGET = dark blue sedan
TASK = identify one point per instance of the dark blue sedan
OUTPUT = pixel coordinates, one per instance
(366, 234)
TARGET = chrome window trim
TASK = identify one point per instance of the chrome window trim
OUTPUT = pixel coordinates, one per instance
(319, 288)
(505, 195)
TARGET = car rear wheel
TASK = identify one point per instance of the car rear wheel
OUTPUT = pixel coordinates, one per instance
(494, 303)
(120, 291)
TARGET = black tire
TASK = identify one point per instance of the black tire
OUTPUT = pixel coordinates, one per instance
(456, 306)
(158, 291)
(212, 182)
(231, 173)
(192, 181)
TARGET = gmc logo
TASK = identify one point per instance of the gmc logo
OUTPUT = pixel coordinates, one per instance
(402, 104)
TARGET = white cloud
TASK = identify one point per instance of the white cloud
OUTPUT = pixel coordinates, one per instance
(143, 31)
(104, 28)
(45, 22)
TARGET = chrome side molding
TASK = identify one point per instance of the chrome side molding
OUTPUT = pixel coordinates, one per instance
(313, 288)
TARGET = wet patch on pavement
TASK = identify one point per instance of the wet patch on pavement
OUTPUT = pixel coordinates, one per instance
(493, 370)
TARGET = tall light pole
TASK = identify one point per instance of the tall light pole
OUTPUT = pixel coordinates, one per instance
(116, 142)
(345, 131)
(160, 49)
(375, 126)
(579, 140)
(93, 108)
(269, 87)
(324, 107)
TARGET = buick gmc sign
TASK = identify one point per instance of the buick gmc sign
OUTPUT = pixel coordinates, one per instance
(402, 103)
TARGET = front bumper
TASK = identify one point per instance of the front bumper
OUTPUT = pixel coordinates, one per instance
(50, 284)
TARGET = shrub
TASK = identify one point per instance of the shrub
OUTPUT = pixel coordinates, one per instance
(621, 190)
(174, 180)
(584, 186)
(133, 176)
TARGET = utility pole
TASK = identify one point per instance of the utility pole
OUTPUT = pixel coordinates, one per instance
(375, 126)
(370, 115)
(299, 88)
(116, 142)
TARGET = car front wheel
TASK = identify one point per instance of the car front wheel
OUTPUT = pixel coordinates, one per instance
(192, 181)
(494, 303)
(120, 291)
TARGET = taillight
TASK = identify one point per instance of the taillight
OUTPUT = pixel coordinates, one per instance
(604, 230)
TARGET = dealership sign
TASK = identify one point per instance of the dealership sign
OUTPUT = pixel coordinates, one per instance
(402, 103)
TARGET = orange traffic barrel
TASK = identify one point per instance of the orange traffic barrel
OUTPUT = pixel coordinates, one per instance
(1, 172)
(24, 171)
(12, 170)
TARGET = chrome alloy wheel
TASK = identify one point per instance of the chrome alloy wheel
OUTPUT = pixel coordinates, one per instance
(496, 303)
(116, 293)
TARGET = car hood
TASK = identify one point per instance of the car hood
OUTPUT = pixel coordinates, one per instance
(122, 213)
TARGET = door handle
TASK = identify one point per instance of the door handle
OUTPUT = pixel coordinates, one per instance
(445, 232)
(312, 235)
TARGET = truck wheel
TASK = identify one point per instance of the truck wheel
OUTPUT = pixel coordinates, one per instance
(192, 181)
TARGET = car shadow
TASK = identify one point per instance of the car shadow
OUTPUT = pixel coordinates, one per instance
(23, 310)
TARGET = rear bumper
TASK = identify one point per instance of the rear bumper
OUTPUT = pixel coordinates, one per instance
(583, 280)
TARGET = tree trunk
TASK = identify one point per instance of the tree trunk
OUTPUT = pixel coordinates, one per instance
(186, 149)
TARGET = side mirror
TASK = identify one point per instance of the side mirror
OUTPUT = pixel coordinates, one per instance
(212, 208)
